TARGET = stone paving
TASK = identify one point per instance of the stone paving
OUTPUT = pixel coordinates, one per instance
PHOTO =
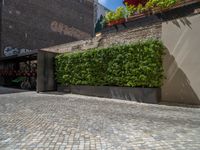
(70, 122)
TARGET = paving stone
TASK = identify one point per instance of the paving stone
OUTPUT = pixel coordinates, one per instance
(44, 121)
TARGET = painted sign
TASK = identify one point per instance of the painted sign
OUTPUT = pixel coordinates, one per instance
(9, 51)
(70, 31)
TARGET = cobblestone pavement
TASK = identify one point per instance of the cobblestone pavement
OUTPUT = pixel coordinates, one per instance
(44, 121)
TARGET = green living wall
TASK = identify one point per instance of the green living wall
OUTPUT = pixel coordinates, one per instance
(133, 65)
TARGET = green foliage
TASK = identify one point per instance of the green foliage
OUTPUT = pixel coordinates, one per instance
(129, 10)
(99, 25)
(163, 3)
(110, 16)
(134, 65)
(149, 5)
(140, 8)
(120, 13)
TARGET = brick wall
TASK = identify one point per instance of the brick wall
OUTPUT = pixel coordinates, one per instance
(140, 29)
(33, 24)
(146, 28)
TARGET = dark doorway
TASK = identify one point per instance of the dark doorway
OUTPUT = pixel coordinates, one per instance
(19, 71)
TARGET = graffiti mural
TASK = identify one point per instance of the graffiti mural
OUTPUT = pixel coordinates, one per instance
(70, 31)
(9, 51)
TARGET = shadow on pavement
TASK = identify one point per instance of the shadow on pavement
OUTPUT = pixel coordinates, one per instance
(53, 93)
(179, 105)
(6, 90)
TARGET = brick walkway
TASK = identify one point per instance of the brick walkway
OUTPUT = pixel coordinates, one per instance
(43, 121)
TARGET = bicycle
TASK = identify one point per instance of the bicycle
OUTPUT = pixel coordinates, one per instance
(27, 76)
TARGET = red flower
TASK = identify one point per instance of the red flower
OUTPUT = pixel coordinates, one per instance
(135, 2)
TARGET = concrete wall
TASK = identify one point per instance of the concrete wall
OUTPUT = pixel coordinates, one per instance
(182, 60)
(34, 24)
(45, 77)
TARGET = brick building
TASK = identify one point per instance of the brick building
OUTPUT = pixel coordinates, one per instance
(29, 25)
(35, 24)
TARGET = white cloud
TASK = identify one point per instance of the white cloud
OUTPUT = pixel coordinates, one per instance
(103, 2)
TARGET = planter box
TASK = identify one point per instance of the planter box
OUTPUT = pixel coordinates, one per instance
(145, 95)
(116, 22)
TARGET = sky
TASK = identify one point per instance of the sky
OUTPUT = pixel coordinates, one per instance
(111, 4)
